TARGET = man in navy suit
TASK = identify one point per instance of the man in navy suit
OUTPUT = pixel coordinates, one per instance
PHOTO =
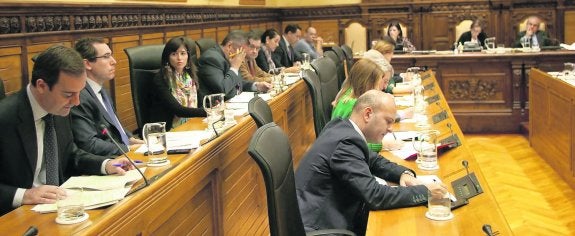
(96, 107)
(335, 181)
(37, 148)
(285, 55)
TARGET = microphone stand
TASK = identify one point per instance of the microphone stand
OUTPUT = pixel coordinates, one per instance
(466, 165)
(105, 132)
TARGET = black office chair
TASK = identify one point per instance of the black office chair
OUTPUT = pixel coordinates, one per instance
(260, 111)
(340, 65)
(2, 91)
(191, 44)
(144, 62)
(326, 71)
(271, 150)
(348, 53)
(205, 43)
(313, 83)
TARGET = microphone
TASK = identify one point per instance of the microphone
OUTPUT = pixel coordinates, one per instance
(105, 132)
(466, 165)
(214, 127)
(32, 231)
(487, 229)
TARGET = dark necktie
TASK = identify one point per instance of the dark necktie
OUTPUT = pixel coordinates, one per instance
(50, 151)
(251, 67)
(112, 115)
(290, 53)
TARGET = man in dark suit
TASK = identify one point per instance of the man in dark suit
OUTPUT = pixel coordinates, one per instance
(285, 55)
(538, 38)
(96, 107)
(218, 68)
(335, 181)
(37, 149)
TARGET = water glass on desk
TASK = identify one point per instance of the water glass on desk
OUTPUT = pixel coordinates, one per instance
(71, 207)
(425, 143)
(438, 208)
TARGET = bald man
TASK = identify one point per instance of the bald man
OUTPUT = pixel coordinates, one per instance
(335, 181)
(538, 37)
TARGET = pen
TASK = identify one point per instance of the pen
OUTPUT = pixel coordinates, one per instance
(121, 165)
(392, 133)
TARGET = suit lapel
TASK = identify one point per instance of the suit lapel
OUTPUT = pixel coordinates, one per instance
(101, 108)
(27, 129)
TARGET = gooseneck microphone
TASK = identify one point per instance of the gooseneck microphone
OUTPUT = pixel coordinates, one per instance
(466, 165)
(214, 125)
(487, 229)
(105, 132)
(32, 231)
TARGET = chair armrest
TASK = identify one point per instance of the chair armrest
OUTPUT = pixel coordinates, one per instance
(330, 232)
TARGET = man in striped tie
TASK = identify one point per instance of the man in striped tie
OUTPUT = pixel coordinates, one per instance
(96, 107)
(37, 149)
(249, 69)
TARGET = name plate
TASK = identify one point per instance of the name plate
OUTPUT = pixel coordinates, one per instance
(429, 86)
(441, 116)
(432, 99)
(451, 139)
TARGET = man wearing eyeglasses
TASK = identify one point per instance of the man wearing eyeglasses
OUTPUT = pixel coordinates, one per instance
(96, 107)
(538, 38)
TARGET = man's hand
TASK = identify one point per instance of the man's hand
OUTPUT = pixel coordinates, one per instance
(42, 194)
(237, 58)
(263, 86)
(135, 143)
(437, 190)
(408, 180)
(118, 166)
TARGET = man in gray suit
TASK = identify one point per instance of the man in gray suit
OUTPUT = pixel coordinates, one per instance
(218, 68)
(37, 149)
(335, 181)
(96, 109)
(538, 38)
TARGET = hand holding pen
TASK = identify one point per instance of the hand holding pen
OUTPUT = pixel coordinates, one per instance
(118, 166)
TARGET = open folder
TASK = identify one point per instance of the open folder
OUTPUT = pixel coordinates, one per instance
(99, 191)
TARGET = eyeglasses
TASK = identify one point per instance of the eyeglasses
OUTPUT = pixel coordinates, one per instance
(181, 53)
(105, 56)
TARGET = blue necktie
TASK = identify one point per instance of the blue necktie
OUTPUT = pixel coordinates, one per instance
(50, 151)
(112, 115)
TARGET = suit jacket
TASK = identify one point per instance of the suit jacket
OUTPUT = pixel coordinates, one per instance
(260, 75)
(164, 105)
(215, 75)
(86, 121)
(465, 37)
(262, 60)
(19, 149)
(336, 178)
(542, 39)
(281, 56)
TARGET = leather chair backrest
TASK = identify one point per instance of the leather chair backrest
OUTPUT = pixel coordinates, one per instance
(339, 60)
(2, 90)
(313, 83)
(191, 44)
(339, 52)
(206, 43)
(144, 62)
(328, 77)
(270, 149)
(348, 52)
(260, 111)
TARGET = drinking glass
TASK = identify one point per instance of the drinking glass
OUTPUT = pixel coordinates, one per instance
(526, 42)
(306, 61)
(438, 207)
(490, 43)
(214, 107)
(154, 135)
(71, 207)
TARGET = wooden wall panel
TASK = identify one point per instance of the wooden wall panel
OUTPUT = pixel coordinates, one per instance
(210, 33)
(327, 29)
(221, 33)
(569, 27)
(122, 91)
(11, 68)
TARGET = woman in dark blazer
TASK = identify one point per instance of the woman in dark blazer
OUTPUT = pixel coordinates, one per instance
(174, 89)
(270, 41)
(475, 34)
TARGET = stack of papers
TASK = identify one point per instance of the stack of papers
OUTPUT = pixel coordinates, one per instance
(567, 46)
(99, 191)
(180, 140)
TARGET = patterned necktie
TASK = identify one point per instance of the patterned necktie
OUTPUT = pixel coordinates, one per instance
(50, 151)
(251, 67)
(115, 120)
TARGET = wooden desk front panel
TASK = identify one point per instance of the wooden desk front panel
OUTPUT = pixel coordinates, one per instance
(487, 92)
(552, 125)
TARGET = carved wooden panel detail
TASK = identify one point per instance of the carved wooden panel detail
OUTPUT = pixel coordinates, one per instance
(473, 89)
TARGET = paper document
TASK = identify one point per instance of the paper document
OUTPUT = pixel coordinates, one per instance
(179, 140)
(92, 199)
(243, 97)
(427, 179)
(406, 151)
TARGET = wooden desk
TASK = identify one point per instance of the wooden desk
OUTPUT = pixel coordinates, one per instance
(486, 92)
(468, 220)
(552, 126)
(217, 190)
